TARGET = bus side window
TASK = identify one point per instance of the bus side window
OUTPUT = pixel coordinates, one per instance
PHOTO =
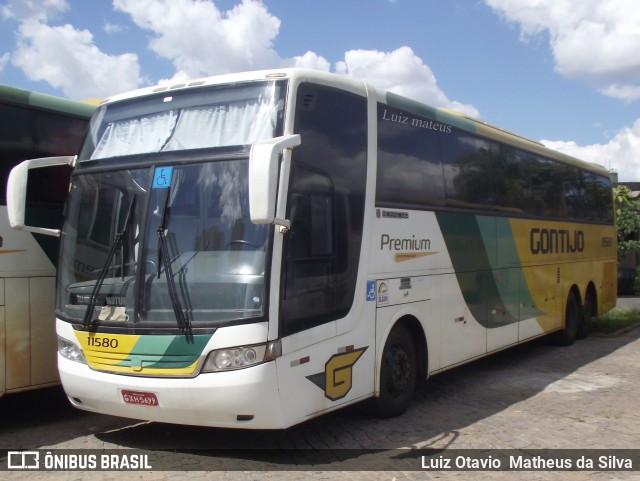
(310, 261)
(299, 236)
(409, 164)
(326, 208)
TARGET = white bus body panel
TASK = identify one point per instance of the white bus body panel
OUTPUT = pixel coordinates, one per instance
(315, 378)
(213, 399)
(409, 248)
(27, 323)
(210, 399)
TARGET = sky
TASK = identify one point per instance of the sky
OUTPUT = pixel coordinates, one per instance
(563, 72)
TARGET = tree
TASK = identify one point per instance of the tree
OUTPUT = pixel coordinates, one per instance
(627, 220)
(628, 226)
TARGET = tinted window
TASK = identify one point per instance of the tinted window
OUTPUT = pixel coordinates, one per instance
(545, 186)
(509, 181)
(326, 208)
(409, 167)
(598, 198)
(426, 164)
(468, 170)
(27, 133)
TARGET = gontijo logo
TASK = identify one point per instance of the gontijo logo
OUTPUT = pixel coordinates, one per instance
(337, 378)
(556, 241)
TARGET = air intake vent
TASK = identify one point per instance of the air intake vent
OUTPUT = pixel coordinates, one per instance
(309, 101)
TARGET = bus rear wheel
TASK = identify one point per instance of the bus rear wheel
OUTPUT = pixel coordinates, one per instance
(589, 310)
(573, 316)
(397, 374)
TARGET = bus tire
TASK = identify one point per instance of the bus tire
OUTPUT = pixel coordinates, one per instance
(572, 318)
(589, 310)
(397, 374)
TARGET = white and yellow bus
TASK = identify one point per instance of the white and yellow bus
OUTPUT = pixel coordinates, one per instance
(33, 125)
(254, 250)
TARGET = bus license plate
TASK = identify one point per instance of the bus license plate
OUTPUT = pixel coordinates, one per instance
(139, 397)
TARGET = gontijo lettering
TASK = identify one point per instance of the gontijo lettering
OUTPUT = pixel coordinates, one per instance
(554, 241)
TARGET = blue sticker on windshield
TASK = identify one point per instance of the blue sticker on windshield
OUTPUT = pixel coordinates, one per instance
(162, 177)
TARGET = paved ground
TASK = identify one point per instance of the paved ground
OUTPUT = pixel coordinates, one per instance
(628, 302)
(536, 396)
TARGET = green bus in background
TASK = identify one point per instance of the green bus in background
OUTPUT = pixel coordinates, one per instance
(31, 126)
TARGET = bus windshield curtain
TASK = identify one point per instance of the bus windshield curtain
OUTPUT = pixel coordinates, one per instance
(220, 125)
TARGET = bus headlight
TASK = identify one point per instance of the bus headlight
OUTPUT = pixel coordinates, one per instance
(241, 357)
(70, 351)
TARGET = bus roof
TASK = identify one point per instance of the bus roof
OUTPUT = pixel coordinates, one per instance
(456, 119)
(45, 102)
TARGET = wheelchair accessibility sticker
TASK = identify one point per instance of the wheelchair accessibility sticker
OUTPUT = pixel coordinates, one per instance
(162, 177)
(371, 291)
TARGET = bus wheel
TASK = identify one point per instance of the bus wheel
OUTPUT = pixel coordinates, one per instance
(573, 315)
(589, 310)
(397, 374)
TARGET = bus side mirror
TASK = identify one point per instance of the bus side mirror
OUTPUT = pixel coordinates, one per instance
(17, 192)
(264, 172)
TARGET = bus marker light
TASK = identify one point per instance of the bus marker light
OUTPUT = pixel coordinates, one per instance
(302, 360)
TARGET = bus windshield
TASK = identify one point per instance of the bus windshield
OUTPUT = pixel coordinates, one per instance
(198, 254)
(195, 119)
(169, 242)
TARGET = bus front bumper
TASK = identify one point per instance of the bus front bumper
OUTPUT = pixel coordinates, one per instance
(245, 398)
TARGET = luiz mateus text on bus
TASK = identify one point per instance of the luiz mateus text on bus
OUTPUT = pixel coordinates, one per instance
(256, 249)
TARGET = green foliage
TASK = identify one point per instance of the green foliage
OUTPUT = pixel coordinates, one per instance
(627, 220)
(636, 281)
(615, 320)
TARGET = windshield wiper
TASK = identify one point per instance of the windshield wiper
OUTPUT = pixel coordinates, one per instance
(184, 323)
(117, 241)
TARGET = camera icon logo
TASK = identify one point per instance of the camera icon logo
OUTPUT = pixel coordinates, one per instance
(23, 460)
